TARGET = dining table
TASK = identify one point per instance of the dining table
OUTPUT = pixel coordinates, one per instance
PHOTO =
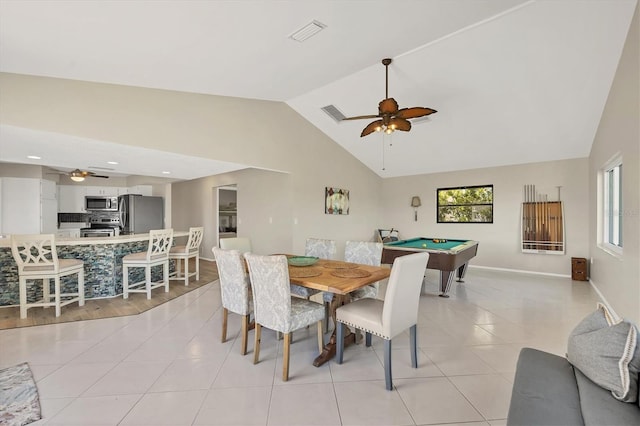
(339, 278)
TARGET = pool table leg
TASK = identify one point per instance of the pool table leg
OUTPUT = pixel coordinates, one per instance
(461, 271)
(446, 277)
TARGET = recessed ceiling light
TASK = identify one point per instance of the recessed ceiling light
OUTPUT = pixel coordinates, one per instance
(166, 173)
(112, 162)
(33, 157)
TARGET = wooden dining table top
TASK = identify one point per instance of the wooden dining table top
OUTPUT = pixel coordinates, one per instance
(337, 276)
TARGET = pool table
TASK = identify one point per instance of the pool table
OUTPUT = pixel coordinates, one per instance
(445, 255)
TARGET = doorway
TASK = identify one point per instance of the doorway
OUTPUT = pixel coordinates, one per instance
(227, 215)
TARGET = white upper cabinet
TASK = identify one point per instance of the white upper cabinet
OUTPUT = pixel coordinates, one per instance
(28, 206)
(141, 190)
(111, 191)
(71, 198)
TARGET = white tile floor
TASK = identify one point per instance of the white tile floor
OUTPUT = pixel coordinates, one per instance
(168, 366)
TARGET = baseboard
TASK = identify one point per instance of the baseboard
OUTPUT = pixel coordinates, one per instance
(520, 271)
(603, 299)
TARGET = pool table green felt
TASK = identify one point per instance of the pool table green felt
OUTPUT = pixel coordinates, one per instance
(446, 256)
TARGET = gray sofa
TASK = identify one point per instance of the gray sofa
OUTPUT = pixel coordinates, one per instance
(548, 390)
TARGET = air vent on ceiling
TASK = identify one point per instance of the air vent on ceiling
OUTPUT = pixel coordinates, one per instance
(334, 113)
(309, 30)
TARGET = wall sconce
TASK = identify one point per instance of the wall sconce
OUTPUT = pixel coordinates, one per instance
(415, 203)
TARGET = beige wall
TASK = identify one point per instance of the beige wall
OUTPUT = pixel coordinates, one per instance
(260, 134)
(500, 241)
(618, 277)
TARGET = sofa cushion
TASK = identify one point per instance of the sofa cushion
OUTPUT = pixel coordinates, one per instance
(544, 391)
(600, 408)
(606, 352)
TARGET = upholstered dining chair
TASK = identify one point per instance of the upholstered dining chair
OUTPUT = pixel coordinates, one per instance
(274, 308)
(242, 244)
(182, 254)
(157, 253)
(323, 249)
(388, 318)
(234, 289)
(37, 259)
(364, 253)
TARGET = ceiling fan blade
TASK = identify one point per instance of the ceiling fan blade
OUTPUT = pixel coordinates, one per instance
(360, 117)
(99, 176)
(400, 124)
(388, 106)
(414, 112)
(372, 127)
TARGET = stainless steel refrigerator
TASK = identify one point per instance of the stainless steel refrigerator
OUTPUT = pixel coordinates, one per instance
(140, 214)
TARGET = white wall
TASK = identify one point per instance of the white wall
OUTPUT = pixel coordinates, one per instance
(500, 241)
(618, 277)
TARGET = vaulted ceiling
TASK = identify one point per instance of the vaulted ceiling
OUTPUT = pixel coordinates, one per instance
(513, 81)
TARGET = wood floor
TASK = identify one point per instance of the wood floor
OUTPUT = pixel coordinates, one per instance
(112, 307)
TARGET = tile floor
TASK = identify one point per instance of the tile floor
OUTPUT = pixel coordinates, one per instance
(167, 366)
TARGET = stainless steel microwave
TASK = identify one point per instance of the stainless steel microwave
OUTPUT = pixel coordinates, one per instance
(101, 203)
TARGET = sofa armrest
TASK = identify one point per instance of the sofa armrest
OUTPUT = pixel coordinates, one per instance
(545, 391)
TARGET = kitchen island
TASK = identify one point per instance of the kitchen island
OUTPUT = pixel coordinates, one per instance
(102, 266)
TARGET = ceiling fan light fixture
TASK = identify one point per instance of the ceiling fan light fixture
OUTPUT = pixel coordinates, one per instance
(77, 178)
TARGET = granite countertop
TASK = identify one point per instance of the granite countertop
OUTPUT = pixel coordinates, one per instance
(60, 241)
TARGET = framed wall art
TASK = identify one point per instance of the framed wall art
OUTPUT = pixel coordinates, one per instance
(336, 201)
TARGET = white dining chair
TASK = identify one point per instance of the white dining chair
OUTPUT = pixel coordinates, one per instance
(182, 254)
(242, 244)
(388, 318)
(157, 253)
(37, 259)
(234, 291)
(274, 308)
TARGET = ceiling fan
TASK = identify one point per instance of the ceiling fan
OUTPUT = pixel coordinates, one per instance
(79, 175)
(390, 117)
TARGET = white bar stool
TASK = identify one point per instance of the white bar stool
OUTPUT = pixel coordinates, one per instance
(37, 259)
(186, 252)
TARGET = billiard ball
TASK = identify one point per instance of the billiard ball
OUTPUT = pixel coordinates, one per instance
(424, 245)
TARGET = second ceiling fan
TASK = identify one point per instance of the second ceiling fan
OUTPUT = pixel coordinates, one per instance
(390, 118)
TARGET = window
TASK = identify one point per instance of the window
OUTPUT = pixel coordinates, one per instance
(466, 204)
(612, 205)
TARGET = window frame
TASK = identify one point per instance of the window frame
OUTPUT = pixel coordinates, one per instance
(438, 206)
(610, 223)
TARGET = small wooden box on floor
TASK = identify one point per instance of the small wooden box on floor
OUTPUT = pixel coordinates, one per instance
(579, 269)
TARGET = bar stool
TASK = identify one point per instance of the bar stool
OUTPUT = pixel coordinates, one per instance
(157, 253)
(184, 253)
(37, 259)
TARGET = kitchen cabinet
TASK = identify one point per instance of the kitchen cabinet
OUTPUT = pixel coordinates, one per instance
(28, 206)
(139, 190)
(111, 191)
(71, 198)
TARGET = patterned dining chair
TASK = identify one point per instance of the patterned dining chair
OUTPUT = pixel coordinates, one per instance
(323, 249)
(365, 253)
(37, 259)
(274, 308)
(160, 241)
(234, 290)
(189, 251)
(388, 318)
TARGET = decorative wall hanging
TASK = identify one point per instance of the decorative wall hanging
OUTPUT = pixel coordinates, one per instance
(542, 223)
(336, 201)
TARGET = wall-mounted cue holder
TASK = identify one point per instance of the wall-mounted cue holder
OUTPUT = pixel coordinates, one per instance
(542, 222)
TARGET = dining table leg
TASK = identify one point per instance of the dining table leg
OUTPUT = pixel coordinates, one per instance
(329, 350)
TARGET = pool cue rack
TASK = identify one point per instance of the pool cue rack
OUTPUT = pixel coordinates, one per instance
(542, 224)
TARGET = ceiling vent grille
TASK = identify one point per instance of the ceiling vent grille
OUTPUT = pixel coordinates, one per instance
(334, 113)
(306, 32)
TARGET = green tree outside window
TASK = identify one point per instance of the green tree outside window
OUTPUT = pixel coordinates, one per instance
(468, 204)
